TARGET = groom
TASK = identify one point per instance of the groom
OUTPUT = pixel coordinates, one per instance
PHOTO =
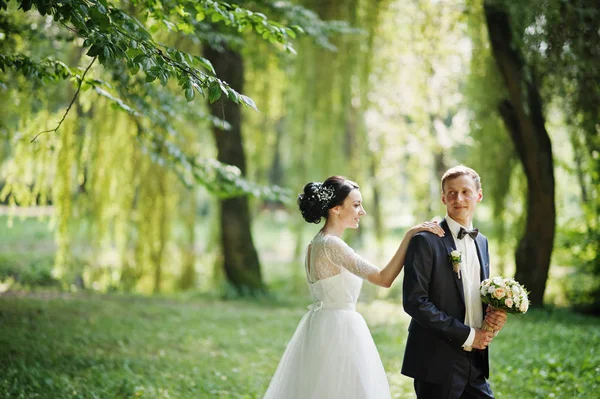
(447, 351)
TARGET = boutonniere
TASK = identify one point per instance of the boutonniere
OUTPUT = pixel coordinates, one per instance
(455, 258)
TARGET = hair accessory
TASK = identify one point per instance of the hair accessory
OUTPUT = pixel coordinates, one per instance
(324, 195)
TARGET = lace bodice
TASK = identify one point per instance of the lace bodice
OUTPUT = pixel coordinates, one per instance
(332, 268)
(329, 255)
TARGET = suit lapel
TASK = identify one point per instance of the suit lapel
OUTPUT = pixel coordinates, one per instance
(483, 271)
(451, 246)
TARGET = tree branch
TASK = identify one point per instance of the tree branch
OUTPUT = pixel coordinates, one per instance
(70, 105)
(168, 59)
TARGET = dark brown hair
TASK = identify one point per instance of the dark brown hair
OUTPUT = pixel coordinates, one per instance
(318, 198)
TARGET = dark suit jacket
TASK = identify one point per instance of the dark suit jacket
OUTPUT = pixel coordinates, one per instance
(433, 296)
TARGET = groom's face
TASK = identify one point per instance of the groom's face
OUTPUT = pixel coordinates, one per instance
(461, 195)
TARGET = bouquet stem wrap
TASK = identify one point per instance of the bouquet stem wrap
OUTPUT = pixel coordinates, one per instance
(485, 326)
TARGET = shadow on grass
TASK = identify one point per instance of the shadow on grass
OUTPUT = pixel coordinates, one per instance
(56, 345)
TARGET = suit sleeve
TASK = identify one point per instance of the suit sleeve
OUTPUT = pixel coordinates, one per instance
(415, 294)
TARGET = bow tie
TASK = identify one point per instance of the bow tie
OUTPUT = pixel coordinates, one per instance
(463, 232)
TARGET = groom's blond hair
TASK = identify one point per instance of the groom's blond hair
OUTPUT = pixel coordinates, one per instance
(461, 170)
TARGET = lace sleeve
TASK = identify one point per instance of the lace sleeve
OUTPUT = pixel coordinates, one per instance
(341, 255)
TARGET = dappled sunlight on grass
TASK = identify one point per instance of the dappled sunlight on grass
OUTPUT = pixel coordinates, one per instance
(58, 345)
(378, 312)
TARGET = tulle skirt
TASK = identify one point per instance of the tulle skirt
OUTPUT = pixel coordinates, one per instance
(330, 356)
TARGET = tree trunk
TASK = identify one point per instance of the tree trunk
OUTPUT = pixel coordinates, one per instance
(276, 173)
(523, 117)
(187, 279)
(158, 247)
(240, 259)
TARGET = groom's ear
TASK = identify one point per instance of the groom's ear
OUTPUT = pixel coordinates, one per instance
(443, 198)
(479, 195)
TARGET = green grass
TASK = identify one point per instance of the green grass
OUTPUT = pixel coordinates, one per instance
(109, 346)
(26, 234)
(26, 252)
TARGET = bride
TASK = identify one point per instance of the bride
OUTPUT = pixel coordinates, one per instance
(332, 354)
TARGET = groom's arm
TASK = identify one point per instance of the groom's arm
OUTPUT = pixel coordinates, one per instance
(415, 294)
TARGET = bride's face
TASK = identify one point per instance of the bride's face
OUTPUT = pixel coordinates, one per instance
(351, 210)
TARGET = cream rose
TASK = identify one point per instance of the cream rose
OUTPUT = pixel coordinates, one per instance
(499, 293)
(524, 305)
(509, 303)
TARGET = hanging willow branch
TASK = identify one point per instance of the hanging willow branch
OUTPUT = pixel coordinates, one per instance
(70, 105)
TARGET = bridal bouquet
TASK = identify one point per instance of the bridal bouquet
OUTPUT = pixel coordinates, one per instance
(504, 293)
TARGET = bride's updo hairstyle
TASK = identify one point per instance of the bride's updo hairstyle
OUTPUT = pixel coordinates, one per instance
(318, 198)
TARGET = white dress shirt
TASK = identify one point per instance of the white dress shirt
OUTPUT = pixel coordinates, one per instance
(470, 276)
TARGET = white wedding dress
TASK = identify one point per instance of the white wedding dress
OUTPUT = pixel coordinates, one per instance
(332, 354)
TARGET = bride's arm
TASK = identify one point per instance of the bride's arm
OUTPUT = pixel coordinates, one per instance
(386, 276)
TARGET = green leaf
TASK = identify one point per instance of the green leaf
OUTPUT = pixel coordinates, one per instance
(102, 8)
(248, 101)
(190, 94)
(233, 96)
(139, 58)
(216, 17)
(206, 64)
(179, 57)
(85, 86)
(199, 89)
(164, 78)
(95, 50)
(214, 92)
(290, 49)
(170, 25)
(26, 5)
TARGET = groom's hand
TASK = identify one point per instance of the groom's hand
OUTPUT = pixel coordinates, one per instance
(495, 318)
(482, 339)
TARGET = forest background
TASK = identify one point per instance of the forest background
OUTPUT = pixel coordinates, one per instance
(152, 152)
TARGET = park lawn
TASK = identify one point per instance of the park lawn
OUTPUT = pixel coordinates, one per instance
(119, 346)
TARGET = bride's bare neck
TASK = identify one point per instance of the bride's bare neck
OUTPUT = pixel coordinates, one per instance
(332, 227)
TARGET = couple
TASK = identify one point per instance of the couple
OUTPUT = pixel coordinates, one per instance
(332, 354)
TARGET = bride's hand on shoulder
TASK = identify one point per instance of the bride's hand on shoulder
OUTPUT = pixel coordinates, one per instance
(432, 227)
